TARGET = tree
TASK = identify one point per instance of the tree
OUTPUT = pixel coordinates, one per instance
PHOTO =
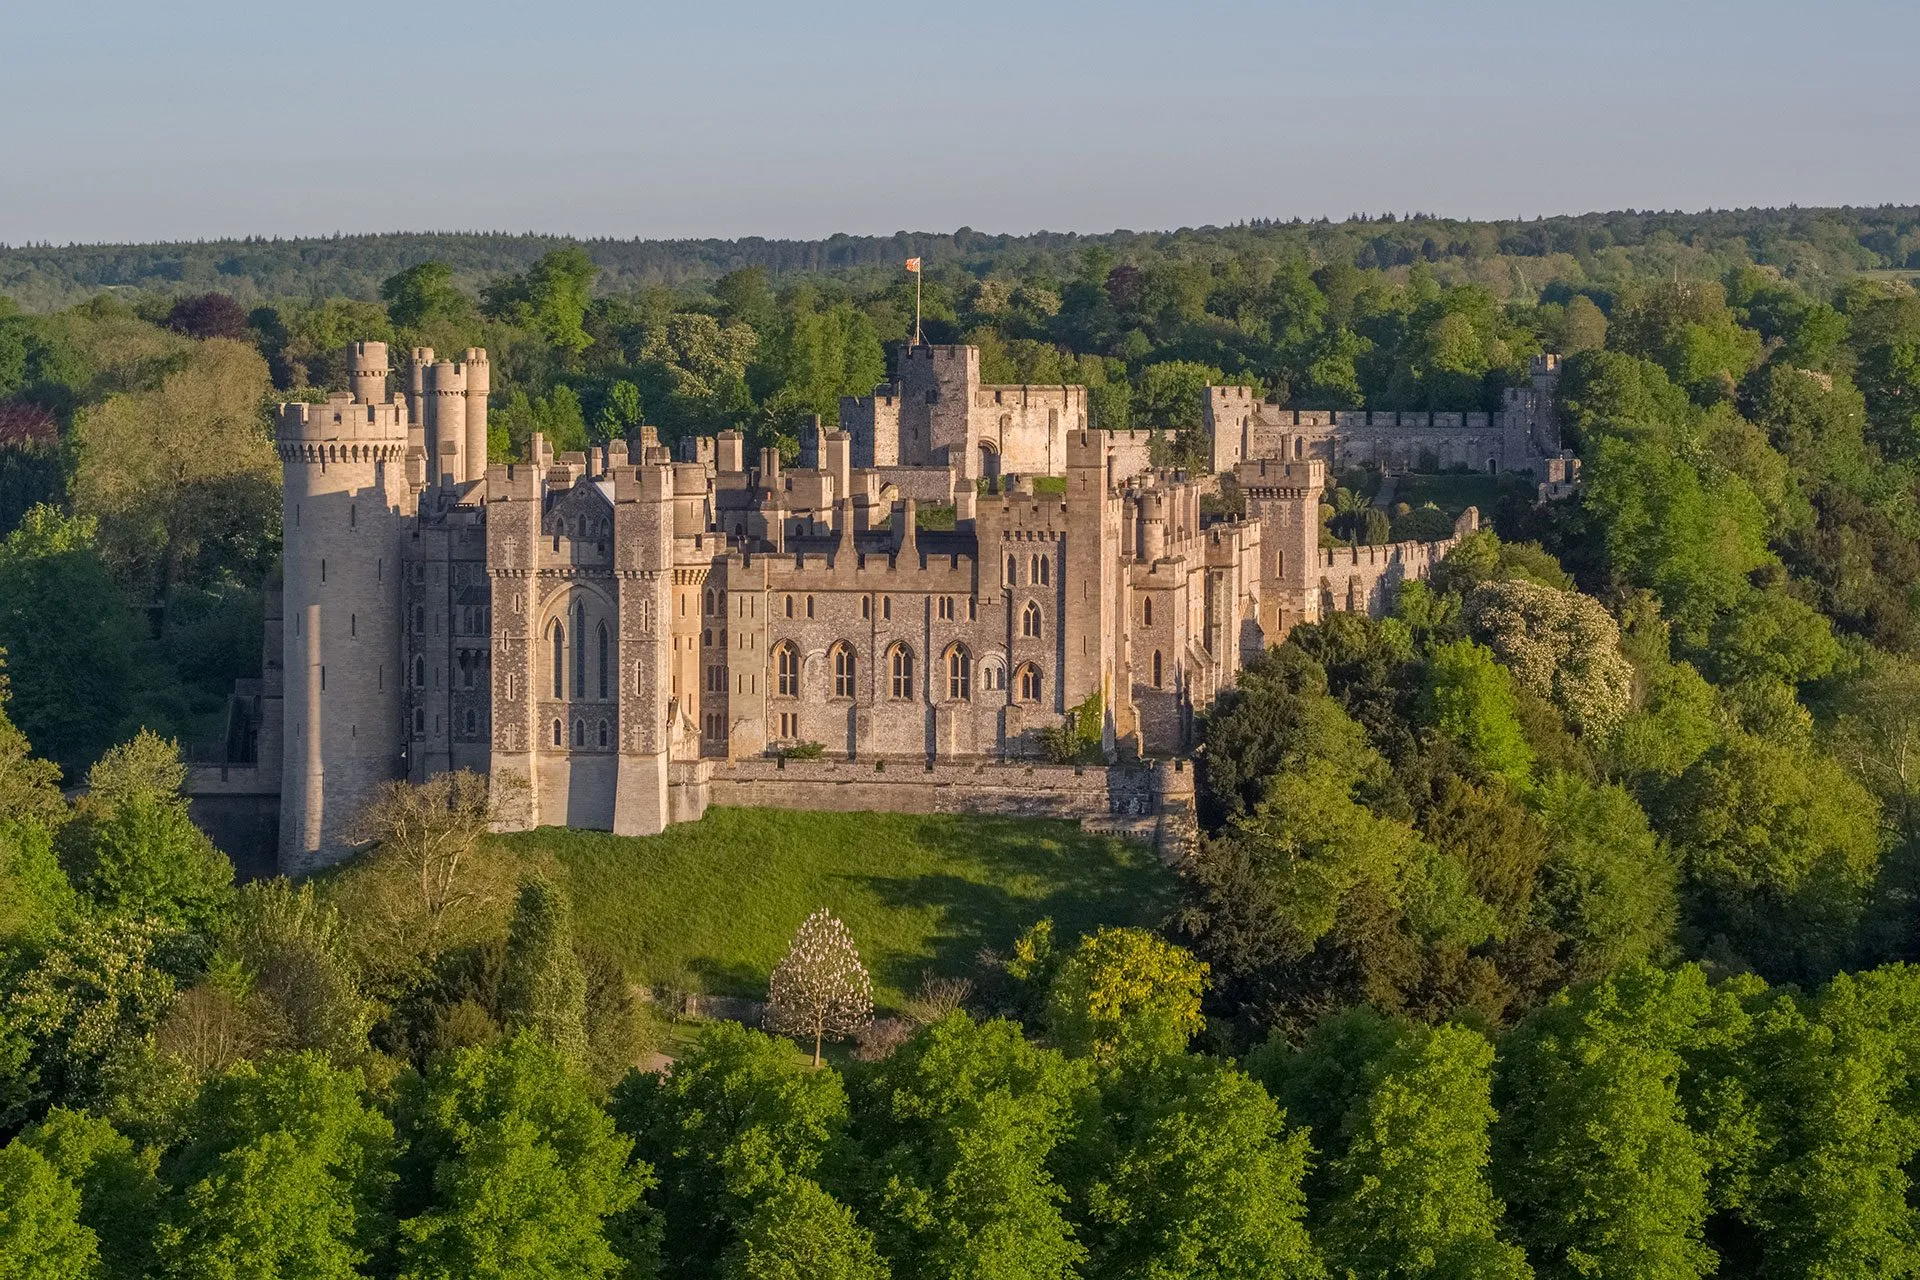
(550, 297)
(735, 1120)
(513, 1172)
(1582, 328)
(57, 599)
(183, 479)
(1876, 735)
(696, 368)
(1834, 1128)
(35, 896)
(1470, 697)
(284, 1171)
(119, 1193)
(314, 350)
(99, 987)
(958, 1129)
(41, 1235)
(1560, 645)
(620, 414)
(424, 296)
(1593, 1152)
(1607, 888)
(209, 315)
(799, 1232)
(1408, 1189)
(821, 989)
(1168, 397)
(289, 946)
(1126, 995)
(543, 989)
(430, 879)
(1686, 327)
(1194, 1176)
(1780, 847)
(133, 848)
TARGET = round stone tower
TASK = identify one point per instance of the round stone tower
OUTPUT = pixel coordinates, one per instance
(367, 371)
(345, 495)
(479, 382)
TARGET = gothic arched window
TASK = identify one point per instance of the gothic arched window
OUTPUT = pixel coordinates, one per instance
(559, 735)
(1146, 612)
(603, 733)
(959, 673)
(1156, 668)
(786, 668)
(900, 668)
(1030, 621)
(1029, 683)
(843, 671)
(559, 664)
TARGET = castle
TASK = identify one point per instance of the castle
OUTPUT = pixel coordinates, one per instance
(1524, 436)
(618, 637)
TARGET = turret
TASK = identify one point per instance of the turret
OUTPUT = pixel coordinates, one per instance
(367, 372)
(343, 497)
(1153, 526)
(479, 383)
(417, 366)
(446, 405)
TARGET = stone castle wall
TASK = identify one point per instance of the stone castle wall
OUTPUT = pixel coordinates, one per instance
(614, 638)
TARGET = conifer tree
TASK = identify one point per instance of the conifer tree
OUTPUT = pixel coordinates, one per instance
(543, 988)
(821, 989)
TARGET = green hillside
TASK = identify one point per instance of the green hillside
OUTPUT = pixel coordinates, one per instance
(710, 906)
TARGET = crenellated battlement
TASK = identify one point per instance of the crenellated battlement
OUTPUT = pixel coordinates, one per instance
(1309, 475)
(343, 420)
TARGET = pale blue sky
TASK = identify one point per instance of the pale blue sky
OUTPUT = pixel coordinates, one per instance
(173, 119)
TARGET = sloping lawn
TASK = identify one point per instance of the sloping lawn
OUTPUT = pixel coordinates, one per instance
(1455, 491)
(710, 906)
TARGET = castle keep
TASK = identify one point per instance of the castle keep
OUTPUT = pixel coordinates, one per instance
(621, 635)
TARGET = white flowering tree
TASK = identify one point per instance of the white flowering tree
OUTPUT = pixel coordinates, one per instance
(1561, 645)
(821, 989)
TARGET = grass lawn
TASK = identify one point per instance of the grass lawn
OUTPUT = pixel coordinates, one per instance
(1454, 492)
(710, 906)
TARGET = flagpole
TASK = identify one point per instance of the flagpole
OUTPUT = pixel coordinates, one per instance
(916, 308)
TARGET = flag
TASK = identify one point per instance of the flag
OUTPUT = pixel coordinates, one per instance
(913, 264)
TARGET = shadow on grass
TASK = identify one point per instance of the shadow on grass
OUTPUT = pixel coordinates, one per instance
(1080, 881)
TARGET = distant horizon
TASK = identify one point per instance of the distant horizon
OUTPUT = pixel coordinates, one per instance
(211, 119)
(1362, 216)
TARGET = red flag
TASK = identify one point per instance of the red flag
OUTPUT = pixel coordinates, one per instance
(913, 264)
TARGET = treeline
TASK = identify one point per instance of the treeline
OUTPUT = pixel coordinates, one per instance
(1819, 246)
(414, 1070)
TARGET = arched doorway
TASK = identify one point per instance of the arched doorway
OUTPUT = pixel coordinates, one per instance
(989, 460)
